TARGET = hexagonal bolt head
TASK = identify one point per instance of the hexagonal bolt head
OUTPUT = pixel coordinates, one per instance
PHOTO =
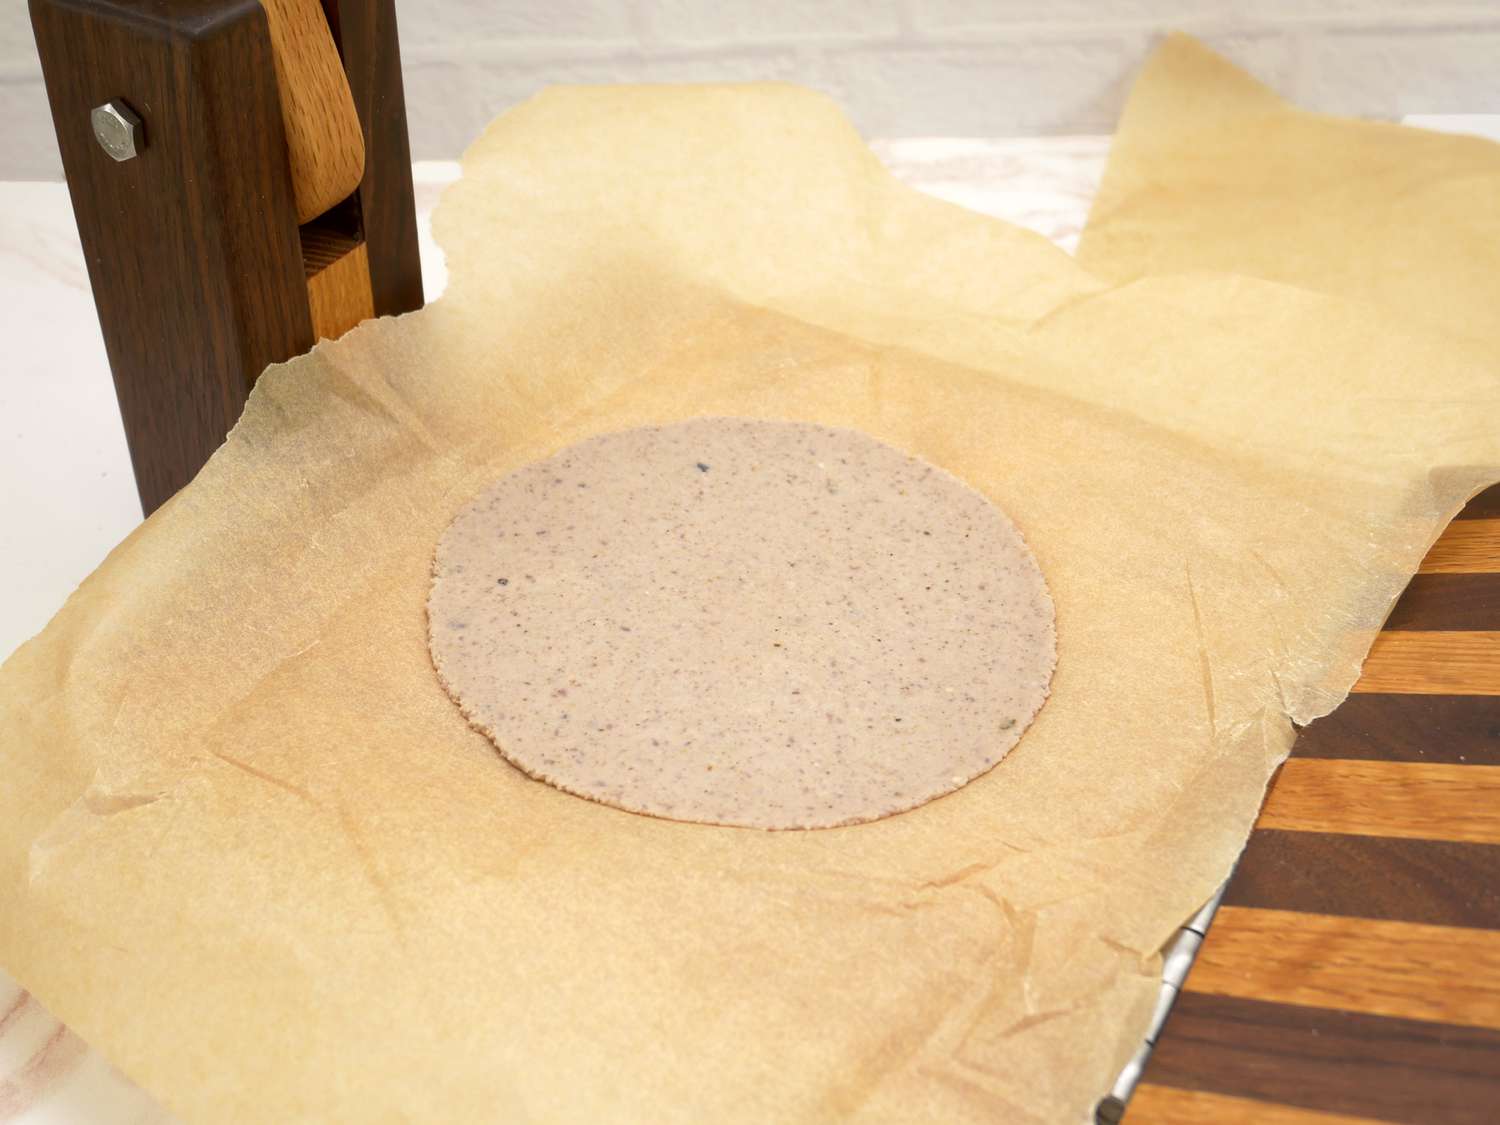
(117, 129)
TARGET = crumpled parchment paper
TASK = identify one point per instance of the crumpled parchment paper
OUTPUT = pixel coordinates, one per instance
(1210, 170)
(250, 849)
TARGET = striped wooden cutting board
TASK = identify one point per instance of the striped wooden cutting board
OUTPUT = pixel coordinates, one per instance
(1352, 973)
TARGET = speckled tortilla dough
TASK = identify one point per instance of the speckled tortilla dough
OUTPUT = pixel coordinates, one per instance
(763, 624)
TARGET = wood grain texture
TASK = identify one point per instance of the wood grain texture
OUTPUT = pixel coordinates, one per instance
(366, 33)
(322, 246)
(1468, 602)
(1354, 965)
(1433, 663)
(204, 213)
(1436, 882)
(1326, 1061)
(1468, 546)
(339, 294)
(325, 144)
(1165, 1105)
(1430, 801)
(1403, 969)
(1407, 728)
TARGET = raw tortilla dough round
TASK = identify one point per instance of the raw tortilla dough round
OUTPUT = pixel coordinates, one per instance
(739, 622)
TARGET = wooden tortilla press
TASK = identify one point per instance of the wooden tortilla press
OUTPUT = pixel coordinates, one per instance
(241, 179)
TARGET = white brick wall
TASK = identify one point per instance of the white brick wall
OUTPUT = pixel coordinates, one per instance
(900, 67)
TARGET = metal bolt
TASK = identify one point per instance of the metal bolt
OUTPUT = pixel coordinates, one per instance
(117, 129)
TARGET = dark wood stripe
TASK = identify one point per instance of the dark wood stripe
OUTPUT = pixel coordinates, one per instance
(1461, 729)
(321, 247)
(1336, 1062)
(1435, 882)
(1485, 506)
(1447, 602)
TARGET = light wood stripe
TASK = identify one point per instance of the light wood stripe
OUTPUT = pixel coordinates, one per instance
(325, 146)
(1164, 1105)
(1428, 663)
(1421, 801)
(1467, 547)
(339, 296)
(1403, 969)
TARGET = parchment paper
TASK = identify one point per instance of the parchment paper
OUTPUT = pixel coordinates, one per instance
(250, 849)
(1210, 170)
